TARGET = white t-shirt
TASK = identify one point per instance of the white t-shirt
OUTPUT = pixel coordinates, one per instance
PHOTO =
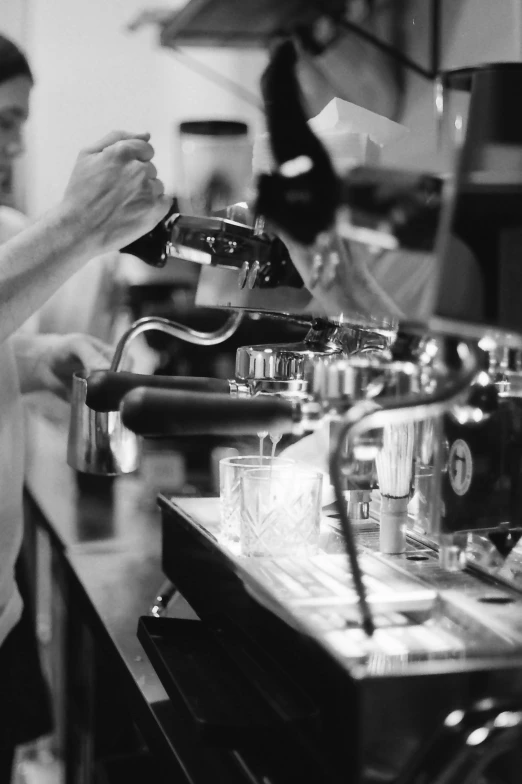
(11, 460)
(11, 486)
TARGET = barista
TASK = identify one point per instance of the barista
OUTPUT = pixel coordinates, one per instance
(113, 197)
(40, 359)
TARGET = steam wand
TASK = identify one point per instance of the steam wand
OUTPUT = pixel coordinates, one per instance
(176, 330)
(370, 415)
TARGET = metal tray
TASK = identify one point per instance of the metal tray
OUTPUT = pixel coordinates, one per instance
(444, 641)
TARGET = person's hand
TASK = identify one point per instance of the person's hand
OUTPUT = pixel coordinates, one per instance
(48, 362)
(114, 194)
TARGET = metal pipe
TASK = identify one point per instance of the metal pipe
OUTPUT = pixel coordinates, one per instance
(176, 330)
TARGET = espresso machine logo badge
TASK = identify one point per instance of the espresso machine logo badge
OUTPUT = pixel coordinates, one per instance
(460, 464)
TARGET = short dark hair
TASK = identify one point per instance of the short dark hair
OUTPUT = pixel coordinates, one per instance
(13, 61)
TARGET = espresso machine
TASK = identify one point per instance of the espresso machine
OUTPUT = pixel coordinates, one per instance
(253, 273)
(361, 664)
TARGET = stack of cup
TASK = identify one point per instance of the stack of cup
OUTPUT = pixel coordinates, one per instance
(270, 506)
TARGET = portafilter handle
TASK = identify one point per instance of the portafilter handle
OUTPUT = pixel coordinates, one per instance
(262, 260)
(98, 443)
(161, 412)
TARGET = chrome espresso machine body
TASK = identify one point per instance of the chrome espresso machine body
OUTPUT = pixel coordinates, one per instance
(357, 665)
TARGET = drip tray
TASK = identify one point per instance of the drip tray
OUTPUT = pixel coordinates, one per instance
(228, 695)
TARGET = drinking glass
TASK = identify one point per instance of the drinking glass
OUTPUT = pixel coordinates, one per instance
(280, 511)
(231, 470)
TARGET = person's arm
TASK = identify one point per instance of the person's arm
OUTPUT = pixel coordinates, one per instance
(113, 197)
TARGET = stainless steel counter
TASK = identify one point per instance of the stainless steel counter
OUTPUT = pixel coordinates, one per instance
(109, 538)
(113, 545)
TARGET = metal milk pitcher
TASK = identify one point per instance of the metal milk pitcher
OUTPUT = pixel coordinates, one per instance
(98, 441)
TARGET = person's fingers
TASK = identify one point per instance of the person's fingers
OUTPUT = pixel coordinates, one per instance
(161, 206)
(150, 170)
(93, 360)
(111, 138)
(131, 149)
(90, 355)
(104, 350)
(52, 383)
(158, 189)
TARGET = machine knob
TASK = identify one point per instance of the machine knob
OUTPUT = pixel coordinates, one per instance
(243, 275)
(252, 275)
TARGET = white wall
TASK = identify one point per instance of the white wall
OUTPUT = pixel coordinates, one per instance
(13, 20)
(93, 76)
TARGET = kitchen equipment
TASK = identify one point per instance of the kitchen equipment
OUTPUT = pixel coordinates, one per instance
(475, 296)
(482, 484)
(426, 392)
(444, 660)
(428, 687)
(98, 443)
(407, 208)
(414, 207)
